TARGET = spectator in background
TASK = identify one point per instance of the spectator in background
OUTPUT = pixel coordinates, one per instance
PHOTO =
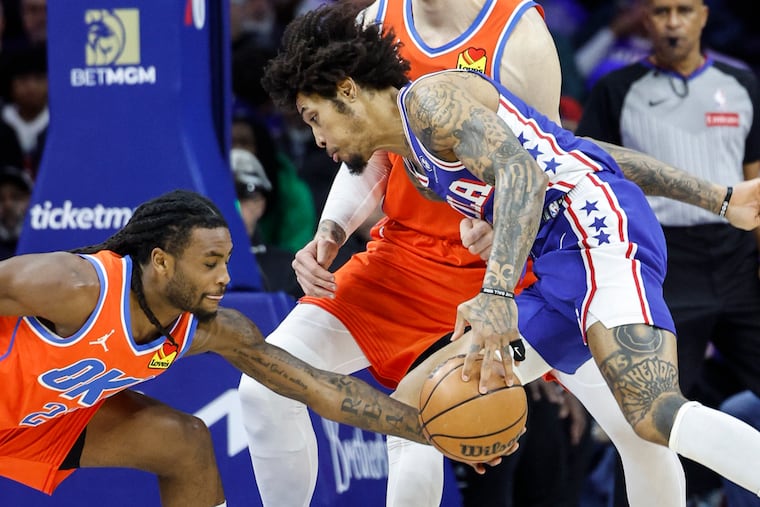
(254, 191)
(24, 117)
(685, 108)
(15, 193)
(291, 217)
(254, 23)
(34, 21)
(30, 28)
(619, 41)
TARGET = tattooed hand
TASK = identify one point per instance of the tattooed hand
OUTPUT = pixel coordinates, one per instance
(493, 322)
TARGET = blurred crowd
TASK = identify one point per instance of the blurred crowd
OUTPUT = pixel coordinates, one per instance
(282, 178)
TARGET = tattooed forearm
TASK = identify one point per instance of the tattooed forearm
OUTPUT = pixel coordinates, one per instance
(328, 228)
(636, 376)
(455, 125)
(518, 199)
(341, 398)
(658, 178)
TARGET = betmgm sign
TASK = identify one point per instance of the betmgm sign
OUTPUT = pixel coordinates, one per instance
(112, 50)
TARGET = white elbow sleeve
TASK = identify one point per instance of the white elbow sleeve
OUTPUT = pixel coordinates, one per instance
(353, 198)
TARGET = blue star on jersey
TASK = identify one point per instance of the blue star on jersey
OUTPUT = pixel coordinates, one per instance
(534, 152)
(590, 207)
(551, 165)
(599, 223)
(602, 237)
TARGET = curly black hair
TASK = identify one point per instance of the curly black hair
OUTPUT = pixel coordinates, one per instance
(326, 45)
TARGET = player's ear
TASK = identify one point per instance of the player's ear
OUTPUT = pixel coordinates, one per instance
(161, 260)
(347, 89)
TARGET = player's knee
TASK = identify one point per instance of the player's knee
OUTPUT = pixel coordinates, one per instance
(191, 440)
(655, 423)
(647, 431)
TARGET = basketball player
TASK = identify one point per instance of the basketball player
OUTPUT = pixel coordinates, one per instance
(416, 250)
(598, 251)
(78, 329)
(376, 310)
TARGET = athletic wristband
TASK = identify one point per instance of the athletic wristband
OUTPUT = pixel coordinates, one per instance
(518, 349)
(726, 200)
(497, 292)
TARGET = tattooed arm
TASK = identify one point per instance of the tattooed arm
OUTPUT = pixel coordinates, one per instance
(341, 398)
(454, 117)
(658, 178)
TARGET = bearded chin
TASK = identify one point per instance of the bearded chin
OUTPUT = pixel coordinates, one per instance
(204, 316)
(181, 296)
(356, 165)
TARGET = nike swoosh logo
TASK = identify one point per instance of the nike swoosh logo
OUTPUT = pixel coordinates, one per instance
(653, 103)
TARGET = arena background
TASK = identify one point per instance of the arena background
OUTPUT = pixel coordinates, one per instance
(139, 94)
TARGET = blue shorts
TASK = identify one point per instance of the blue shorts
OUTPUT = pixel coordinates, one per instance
(601, 258)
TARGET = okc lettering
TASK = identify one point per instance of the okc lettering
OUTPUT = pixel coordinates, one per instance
(355, 458)
(85, 381)
(45, 216)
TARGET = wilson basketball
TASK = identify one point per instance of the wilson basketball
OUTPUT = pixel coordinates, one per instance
(464, 424)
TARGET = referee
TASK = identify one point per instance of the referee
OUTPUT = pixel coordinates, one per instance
(699, 112)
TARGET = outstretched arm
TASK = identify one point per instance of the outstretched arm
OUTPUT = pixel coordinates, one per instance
(658, 178)
(341, 398)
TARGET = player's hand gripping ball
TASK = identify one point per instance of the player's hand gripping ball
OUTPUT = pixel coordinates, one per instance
(462, 423)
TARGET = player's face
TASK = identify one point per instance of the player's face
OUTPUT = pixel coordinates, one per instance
(338, 129)
(200, 274)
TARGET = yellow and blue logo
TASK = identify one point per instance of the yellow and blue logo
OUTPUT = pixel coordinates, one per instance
(113, 37)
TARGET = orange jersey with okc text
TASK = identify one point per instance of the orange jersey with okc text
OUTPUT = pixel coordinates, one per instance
(400, 296)
(53, 385)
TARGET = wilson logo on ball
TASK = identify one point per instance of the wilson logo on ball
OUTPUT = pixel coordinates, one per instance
(464, 424)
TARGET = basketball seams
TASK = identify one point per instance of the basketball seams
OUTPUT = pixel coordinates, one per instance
(519, 421)
(467, 400)
(452, 412)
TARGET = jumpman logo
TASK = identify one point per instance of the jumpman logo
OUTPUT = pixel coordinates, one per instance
(102, 340)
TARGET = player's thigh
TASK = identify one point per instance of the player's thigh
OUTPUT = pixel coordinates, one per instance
(408, 390)
(135, 431)
(317, 337)
(635, 357)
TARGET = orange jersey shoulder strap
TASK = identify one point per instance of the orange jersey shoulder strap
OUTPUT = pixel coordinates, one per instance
(480, 47)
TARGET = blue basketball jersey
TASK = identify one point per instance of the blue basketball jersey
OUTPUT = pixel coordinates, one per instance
(599, 254)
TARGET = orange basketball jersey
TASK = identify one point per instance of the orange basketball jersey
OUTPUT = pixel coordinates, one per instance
(52, 385)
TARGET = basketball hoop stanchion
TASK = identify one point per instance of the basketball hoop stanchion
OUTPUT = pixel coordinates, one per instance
(139, 104)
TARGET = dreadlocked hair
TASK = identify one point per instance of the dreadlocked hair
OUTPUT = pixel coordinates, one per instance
(328, 44)
(164, 222)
